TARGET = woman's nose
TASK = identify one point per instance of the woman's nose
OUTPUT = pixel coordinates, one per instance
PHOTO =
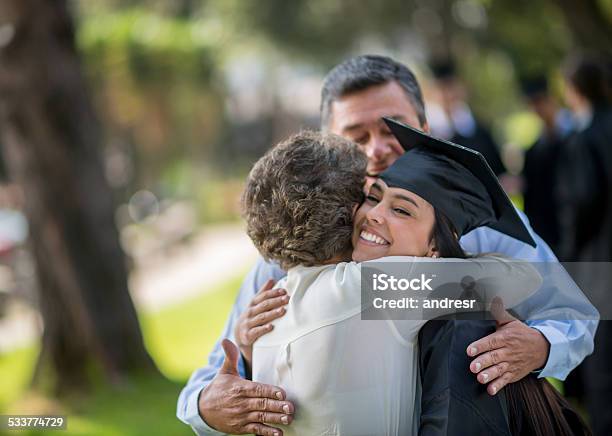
(375, 215)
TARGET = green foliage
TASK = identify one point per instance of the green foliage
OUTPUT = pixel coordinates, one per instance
(154, 86)
(216, 196)
(320, 31)
(219, 201)
(533, 34)
(523, 129)
(157, 48)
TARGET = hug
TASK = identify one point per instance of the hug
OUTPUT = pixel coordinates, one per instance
(344, 374)
(316, 367)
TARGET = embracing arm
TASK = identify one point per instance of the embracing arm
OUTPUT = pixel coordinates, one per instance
(559, 345)
(188, 402)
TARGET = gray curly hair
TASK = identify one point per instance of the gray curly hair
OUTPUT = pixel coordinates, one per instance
(299, 198)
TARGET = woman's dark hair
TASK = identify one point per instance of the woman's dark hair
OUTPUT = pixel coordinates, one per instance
(445, 237)
(535, 408)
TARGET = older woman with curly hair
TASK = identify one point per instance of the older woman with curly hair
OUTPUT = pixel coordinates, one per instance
(300, 199)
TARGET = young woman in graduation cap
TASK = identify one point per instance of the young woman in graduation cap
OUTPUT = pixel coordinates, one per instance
(304, 209)
(451, 190)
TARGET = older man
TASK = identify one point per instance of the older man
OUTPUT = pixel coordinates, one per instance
(219, 399)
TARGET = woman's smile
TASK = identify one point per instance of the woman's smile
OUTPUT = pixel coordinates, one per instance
(370, 237)
(392, 222)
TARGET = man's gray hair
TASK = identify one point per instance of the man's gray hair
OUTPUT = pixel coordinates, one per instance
(362, 72)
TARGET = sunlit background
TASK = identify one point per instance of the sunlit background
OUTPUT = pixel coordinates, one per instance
(190, 93)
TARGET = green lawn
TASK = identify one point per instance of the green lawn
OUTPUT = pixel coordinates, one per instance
(179, 339)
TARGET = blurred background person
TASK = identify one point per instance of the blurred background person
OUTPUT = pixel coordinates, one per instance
(585, 211)
(585, 180)
(451, 118)
(541, 159)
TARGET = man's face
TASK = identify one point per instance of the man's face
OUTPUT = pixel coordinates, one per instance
(358, 117)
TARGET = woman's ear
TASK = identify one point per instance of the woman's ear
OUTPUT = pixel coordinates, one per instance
(433, 250)
(355, 207)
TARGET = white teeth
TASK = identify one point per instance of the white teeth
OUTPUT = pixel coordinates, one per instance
(373, 238)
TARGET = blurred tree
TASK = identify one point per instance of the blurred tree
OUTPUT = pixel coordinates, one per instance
(155, 85)
(589, 23)
(51, 143)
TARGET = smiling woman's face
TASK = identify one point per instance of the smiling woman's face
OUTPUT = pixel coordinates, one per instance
(392, 222)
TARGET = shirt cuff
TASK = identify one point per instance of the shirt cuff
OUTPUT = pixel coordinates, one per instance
(194, 419)
(556, 365)
(248, 374)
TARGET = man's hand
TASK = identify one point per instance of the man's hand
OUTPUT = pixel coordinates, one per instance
(509, 354)
(233, 405)
(255, 321)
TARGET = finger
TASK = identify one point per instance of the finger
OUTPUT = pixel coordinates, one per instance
(501, 315)
(488, 359)
(265, 294)
(230, 362)
(488, 343)
(260, 429)
(493, 373)
(499, 384)
(269, 418)
(269, 284)
(269, 405)
(265, 317)
(269, 304)
(261, 390)
(256, 332)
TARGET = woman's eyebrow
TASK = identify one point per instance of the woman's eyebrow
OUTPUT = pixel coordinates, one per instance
(408, 199)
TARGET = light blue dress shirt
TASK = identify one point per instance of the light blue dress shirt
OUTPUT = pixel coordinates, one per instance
(570, 340)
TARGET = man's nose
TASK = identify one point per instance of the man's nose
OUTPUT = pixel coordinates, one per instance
(379, 148)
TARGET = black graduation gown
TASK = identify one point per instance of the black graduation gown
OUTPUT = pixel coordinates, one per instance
(540, 175)
(584, 180)
(453, 402)
(585, 206)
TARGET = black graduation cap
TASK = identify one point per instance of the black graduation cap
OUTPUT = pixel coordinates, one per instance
(454, 179)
